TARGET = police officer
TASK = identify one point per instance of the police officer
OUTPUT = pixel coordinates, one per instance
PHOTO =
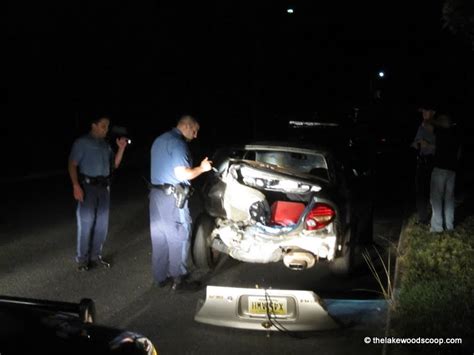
(170, 220)
(91, 162)
(424, 143)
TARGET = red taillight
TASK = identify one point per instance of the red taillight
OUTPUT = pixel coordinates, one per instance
(320, 216)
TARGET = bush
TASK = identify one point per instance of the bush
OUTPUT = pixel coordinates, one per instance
(436, 295)
(440, 256)
(435, 308)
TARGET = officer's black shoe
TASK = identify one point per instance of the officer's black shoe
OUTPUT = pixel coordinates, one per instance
(82, 267)
(184, 285)
(103, 262)
(165, 282)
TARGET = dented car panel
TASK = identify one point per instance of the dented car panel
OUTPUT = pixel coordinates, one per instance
(256, 186)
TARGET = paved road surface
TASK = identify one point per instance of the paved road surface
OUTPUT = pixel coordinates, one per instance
(37, 244)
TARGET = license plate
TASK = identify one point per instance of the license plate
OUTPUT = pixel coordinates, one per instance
(265, 305)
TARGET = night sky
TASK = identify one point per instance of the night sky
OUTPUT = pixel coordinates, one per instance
(235, 65)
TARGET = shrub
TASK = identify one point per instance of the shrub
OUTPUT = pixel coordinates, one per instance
(436, 291)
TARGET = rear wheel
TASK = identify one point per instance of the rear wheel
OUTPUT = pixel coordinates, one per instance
(365, 230)
(204, 256)
(344, 264)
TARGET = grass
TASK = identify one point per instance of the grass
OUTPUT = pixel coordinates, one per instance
(436, 290)
(384, 279)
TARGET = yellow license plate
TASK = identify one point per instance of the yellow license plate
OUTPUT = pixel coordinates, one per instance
(263, 305)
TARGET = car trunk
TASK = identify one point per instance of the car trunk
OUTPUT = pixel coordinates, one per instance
(251, 191)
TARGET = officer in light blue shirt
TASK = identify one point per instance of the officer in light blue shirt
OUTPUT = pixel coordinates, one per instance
(93, 156)
(170, 225)
(91, 162)
(169, 151)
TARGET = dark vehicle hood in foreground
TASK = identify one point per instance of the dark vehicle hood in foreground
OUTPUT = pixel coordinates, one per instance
(30, 326)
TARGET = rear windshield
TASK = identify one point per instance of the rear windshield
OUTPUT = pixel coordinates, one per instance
(313, 164)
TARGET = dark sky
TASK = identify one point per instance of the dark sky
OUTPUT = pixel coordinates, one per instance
(225, 61)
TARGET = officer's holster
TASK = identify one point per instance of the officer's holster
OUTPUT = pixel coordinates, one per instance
(180, 192)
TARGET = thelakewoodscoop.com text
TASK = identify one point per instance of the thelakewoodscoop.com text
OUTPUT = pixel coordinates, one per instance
(418, 340)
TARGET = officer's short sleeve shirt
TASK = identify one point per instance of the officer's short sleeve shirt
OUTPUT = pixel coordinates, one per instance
(169, 151)
(92, 155)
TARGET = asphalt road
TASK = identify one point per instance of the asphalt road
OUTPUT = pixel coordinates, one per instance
(37, 246)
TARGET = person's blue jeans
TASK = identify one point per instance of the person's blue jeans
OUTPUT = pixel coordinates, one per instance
(424, 168)
(170, 229)
(92, 222)
(442, 199)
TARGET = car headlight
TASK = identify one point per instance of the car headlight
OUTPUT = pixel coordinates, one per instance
(134, 340)
(146, 345)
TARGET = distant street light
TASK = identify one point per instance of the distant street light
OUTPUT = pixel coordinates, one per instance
(376, 85)
(289, 11)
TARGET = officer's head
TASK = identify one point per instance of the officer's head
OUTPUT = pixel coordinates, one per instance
(100, 127)
(427, 110)
(189, 127)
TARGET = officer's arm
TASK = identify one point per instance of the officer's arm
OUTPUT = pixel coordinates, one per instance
(72, 167)
(417, 139)
(77, 190)
(184, 173)
(121, 143)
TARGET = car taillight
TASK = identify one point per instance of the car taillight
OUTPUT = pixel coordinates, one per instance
(319, 217)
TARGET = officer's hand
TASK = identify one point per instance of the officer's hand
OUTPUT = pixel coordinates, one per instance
(78, 193)
(122, 142)
(206, 164)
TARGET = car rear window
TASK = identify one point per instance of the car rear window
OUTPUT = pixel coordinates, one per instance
(313, 164)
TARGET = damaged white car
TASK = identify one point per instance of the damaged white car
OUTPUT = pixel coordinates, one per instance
(273, 202)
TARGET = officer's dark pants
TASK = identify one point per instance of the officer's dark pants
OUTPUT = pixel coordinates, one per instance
(424, 167)
(92, 222)
(170, 229)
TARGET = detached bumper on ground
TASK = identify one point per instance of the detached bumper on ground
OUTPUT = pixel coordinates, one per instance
(264, 309)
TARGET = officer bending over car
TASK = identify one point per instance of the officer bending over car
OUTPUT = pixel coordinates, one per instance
(91, 162)
(170, 220)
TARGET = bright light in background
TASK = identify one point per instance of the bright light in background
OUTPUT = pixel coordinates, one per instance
(381, 74)
(289, 11)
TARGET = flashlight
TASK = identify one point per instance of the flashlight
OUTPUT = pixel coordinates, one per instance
(129, 141)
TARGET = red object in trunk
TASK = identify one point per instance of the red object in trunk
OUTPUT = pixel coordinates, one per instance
(286, 213)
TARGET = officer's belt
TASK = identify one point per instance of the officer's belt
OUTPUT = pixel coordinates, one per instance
(167, 188)
(427, 159)
(96, 180)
